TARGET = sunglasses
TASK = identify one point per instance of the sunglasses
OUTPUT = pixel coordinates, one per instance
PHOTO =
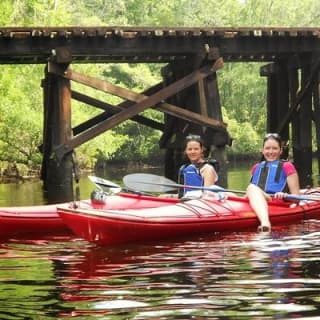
(272, 135)
(193, 137)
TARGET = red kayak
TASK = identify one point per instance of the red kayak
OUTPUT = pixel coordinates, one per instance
(104, 226)
(44, 219)
(30, 219)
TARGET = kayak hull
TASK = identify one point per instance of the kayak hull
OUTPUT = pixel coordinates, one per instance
(181, 219)
(44, 219)
(30, 219)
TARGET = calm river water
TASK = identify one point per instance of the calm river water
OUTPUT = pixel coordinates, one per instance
(221, 276)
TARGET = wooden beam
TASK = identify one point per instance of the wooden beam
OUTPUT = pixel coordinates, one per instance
(300, 96)
(191, 116)
(202, 98)
(303, 149)
(316, 116)
(57, 175)
(140, 106)
(282, 102)
(137, 97)
(110, 110)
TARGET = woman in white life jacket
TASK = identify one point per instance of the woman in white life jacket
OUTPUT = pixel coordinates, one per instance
(198, 172)
(271, 176)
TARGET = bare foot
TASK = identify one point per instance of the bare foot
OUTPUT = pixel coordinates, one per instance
(264, 228)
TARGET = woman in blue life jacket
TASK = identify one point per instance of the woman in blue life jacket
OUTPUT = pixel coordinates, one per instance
(271, 176)
(198, 172)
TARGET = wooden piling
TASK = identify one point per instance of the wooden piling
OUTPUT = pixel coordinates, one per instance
(57, 175)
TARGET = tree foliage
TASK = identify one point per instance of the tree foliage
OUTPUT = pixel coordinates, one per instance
(242, 90)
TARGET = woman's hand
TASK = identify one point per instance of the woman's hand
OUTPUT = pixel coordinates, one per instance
(280, 195)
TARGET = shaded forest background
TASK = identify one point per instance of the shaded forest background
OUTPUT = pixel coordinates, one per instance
(242, 90)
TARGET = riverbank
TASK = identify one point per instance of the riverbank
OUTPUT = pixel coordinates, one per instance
(20, 173)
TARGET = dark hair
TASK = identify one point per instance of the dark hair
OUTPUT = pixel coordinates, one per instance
(274, 136)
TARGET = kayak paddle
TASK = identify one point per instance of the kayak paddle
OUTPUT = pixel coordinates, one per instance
(100, 183)
(154, 183)
(113, 187)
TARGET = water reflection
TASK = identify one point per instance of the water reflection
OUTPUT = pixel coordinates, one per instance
(220, 276)
(28, 287)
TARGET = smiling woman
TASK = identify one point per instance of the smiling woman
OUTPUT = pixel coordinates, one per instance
(197, 172)
(271, 176)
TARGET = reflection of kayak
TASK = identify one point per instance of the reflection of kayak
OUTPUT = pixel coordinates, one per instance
(44, 219)
(180, 219)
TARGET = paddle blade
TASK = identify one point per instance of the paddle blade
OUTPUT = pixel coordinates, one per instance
(103, 182)
(148, 182)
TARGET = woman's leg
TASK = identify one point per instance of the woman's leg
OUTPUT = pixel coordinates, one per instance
(258, 203)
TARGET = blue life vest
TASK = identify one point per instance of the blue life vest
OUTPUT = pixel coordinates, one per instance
(190, 174)
(270, 177)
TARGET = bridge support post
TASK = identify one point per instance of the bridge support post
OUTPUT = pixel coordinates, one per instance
(204, 99)
(277, 96)
(316, 107)
(302, 132)
(284, 102)
(57, 175)
(216, 140)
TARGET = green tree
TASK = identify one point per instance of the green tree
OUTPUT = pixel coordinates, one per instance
(21, 114)
(242, 90)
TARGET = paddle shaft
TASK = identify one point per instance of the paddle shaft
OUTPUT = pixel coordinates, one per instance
(219, 189)
(301, 198)
(177, 185)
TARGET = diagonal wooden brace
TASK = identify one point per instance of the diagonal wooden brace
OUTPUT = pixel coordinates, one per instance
(142, 102)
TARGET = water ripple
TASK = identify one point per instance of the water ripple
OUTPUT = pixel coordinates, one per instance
(222, 276)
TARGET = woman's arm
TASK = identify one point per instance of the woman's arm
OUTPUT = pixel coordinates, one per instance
(292, 177)
(293, 183)
(209, 175)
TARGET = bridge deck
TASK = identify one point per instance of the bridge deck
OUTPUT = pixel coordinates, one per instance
(34, 45)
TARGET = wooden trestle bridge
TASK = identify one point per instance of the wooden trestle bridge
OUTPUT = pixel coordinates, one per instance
(188, 94)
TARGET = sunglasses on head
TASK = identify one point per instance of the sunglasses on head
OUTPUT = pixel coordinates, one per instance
(272, 135)
(193, 137)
